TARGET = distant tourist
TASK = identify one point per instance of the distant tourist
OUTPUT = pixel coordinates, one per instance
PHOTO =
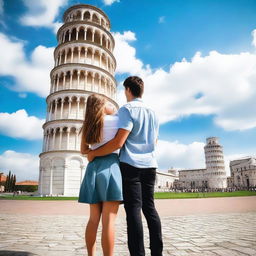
(137, 135)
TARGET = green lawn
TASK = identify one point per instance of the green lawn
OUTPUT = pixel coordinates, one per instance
(158, 195)
(48, 198)
(173, 195)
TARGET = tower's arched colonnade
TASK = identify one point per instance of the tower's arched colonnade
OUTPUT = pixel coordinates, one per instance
(83, 64)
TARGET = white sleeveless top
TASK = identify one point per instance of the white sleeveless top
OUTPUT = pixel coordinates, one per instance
(110, 128)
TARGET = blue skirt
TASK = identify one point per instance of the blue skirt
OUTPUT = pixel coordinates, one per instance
(102, 181)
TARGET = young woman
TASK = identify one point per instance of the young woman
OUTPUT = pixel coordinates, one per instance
(102, 183)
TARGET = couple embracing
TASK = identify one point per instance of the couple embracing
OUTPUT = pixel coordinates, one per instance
(122, 169)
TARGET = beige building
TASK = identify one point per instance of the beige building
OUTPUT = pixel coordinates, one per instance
(191, 179)
(84, 64)
(243, 173)
(165, 180)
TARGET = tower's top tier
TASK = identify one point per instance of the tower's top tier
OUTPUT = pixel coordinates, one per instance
(212, 141)
(86, 12)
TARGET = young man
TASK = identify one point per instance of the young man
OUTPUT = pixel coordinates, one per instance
(136, 137)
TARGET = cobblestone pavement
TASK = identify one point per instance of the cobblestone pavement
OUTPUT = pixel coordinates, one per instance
(205, 235)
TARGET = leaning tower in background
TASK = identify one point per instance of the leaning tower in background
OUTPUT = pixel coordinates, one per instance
(215, 166)
(84, 64)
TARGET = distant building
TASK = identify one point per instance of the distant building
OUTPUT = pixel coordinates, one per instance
(2, 177)
(2, 180)
(27, 183)
(194, 178)
(213, 176)
(165, 180)
(243, 173)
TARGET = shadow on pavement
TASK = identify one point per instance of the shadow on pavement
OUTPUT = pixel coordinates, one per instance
(16, 253)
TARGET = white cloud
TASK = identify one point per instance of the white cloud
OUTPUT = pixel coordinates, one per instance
(181, 156)
(126, 54)
(42, 13)
(109, 2)
(20, 125)
(31, 74)
(161, 19)
(217, 84)
(25, 166)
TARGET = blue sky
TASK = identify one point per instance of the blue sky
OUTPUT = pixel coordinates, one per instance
(197, 58)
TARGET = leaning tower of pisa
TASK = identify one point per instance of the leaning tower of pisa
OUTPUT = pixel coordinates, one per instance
(215, 166)
(84, 64)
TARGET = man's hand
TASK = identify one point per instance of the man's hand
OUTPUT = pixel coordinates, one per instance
(90, 155)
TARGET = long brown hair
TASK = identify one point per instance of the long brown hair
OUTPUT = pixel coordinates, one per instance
(94, 119)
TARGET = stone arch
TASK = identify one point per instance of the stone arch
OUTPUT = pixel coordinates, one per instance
(87, 15)
(66, 38)
(65, 107)
(97, 57)
(75, 175)
(89, 34)
(89, 81)
(61, 81)
(82, 110)
(97, 37)
(62, 57)
(73, 34)
(108, 45)
(81, 33)
(96, 82)
(68, 57)
(82, 80)
(89, 55)
(102, 89)
(68, 77)
(75, 54)
(75, 79)
(82, 55)
(73, 107)
(95, 18)
(78, 15)
(104, 41)
(72, 139)
(104, 60)
(103, 22)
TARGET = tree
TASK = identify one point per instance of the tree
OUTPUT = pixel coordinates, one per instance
(14, 183)
(7, 182)
(11, 183)
(1, 175)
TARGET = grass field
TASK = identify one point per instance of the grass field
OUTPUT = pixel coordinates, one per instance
(173, 195)
(158, 195)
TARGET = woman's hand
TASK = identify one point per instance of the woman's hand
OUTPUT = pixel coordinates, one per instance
(90, 156)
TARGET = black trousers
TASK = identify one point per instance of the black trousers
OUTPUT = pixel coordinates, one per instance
(138, 193)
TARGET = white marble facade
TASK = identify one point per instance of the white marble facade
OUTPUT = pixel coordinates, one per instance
(243, 173)
(84, 64)
(165, 180)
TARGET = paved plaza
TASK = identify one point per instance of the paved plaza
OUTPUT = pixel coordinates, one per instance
(224, 234)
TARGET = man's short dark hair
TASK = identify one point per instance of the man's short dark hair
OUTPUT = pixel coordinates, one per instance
(135, 84)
